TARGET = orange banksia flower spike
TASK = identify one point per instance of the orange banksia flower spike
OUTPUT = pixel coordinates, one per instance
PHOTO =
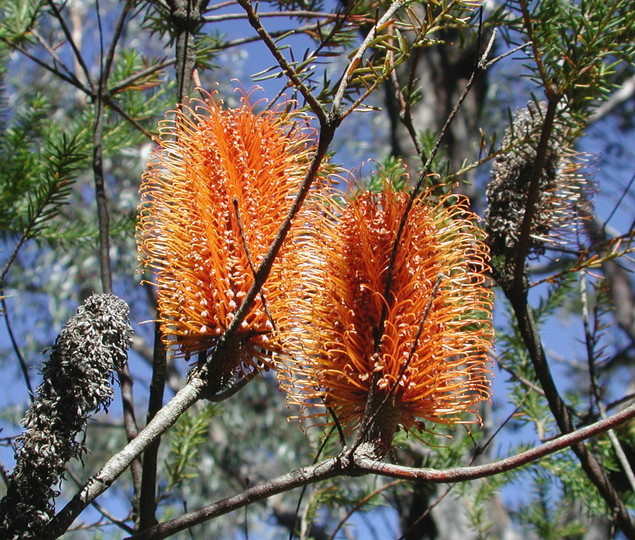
(212, 200)
(419, 352)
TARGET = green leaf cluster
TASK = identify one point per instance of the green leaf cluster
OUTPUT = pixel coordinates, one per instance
(41, 163)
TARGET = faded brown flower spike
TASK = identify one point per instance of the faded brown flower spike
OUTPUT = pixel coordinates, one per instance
(212, 200)
(427, 361)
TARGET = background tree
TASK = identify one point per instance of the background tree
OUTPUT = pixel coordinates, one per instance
(454, 89)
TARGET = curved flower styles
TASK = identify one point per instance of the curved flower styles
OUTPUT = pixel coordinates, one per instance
(428, 360)
(212, 200)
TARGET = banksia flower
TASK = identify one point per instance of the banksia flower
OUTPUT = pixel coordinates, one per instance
(77, 382)
(420, 350)
(212, 200)
(563, 193)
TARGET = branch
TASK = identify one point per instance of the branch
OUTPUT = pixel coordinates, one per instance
(147, 501)
(329, 468)
(71, 42)
(359, 464)
(71, 79)
(357, 57)
(293, 76)
(185, 18)
(117, 464)
(465, 474)
(14, 343)
(286, 14)
(533, 194)
(590, 465)
(101, 198)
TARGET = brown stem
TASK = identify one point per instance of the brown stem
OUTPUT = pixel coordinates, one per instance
(147, 503)
(117, 464)
(103, 218)
(359, 464)
(16, 348)
(185, 18)
(522, 249)
(69, 38)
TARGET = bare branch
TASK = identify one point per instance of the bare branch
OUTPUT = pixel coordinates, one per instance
(69, 38)
(293, 76)
(117, 464)
(359, 464)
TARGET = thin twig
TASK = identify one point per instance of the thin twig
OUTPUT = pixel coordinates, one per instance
(250, 261)
(128, 81)
(289, 71)
(16, 348)
(56, 59)
(264, 14)
(71, 79)
(533, 193)
(536, 53)
(360, 505)
(315, 460)
(590, 342)
(69, 38)
(121, 523)
(359, 54)
(234, 387)
(115, 107)
(116, 35)
(101, 198)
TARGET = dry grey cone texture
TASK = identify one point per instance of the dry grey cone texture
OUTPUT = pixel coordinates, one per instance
(563, 193)
(77, 383)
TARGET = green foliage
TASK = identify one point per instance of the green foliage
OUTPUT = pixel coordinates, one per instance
(480, 497)
(392, 170)
(546, 516)
(18, 17)
(576, 47)
(41, 165)
(186, 441)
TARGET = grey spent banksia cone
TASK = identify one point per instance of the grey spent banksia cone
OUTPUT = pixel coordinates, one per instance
(77, 382)
(563, 192)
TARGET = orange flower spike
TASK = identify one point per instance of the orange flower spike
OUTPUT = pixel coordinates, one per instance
(431, 356)
(212, 199)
